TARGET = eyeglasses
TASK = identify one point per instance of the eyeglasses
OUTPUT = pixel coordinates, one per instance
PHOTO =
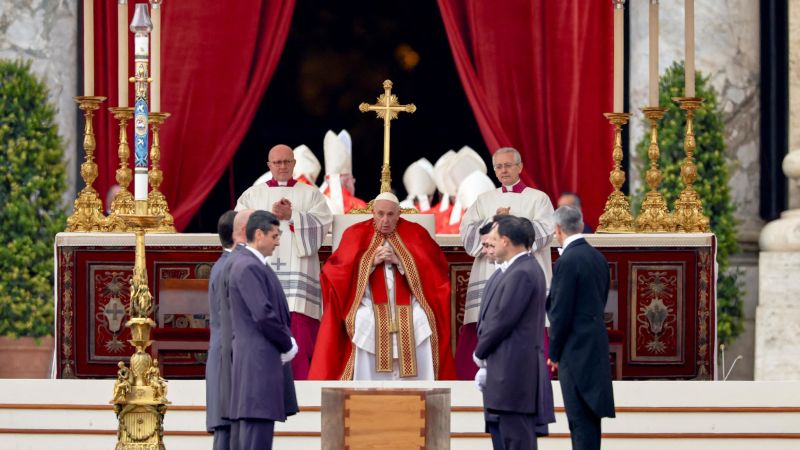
(283, 162)
(504, 166)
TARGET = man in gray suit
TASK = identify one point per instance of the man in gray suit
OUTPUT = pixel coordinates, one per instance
(221, 428)
(516, 390)
(262, 383)
(578, 336)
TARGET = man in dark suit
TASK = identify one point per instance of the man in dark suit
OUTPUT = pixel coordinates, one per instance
(516, 390)
(221, 428)
(225, 327)
(572, 199)
(262, 383)
(578, 337)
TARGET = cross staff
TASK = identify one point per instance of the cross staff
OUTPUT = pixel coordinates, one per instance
(387, 107)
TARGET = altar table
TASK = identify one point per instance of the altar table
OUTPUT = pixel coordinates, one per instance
(660, 314)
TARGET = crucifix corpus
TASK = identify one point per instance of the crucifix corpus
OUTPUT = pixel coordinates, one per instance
(387, 107)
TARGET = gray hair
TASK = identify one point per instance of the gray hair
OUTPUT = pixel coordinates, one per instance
(569, 218)
(500, 151)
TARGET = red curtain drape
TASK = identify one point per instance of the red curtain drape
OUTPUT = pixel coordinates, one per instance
(538, 76)
(217, 61)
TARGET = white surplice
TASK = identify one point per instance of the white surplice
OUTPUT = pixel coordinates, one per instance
(364, 337)
(532, 204)
(296, 260)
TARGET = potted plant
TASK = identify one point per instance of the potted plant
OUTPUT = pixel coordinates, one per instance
(32, 182)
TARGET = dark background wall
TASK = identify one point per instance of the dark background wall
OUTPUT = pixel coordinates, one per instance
(337, 56)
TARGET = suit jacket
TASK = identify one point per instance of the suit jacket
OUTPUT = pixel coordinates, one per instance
(214, 360)
(226, 334)
(510, 339)
(262, 386)
(578, 336)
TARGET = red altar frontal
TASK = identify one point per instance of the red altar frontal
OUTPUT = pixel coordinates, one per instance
(660, 313)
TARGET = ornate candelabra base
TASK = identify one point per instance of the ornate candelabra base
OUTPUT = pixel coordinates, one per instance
(122, 204)
(156, 201)
(654, 216)
(88, 208)
(617, 217)
(689, 217)
(140, 393)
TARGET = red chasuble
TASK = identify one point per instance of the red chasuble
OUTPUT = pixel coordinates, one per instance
(345, 277)
(443, 220)
(349, 200)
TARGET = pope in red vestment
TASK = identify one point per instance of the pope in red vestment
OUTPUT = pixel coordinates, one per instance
(352, 267)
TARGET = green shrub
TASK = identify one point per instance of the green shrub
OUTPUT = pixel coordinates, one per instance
(32, 181)
(711, 184)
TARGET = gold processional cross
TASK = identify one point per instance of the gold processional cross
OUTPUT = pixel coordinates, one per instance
(387, 107)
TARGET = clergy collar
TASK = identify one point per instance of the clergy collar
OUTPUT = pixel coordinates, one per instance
(569, 240)
(275, 183)
(258, 254)
(517, 188)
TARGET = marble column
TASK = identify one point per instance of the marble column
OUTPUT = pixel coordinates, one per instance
(46, 32)
(778, 313)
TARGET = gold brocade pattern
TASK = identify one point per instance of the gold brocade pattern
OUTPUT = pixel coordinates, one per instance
(383, 338)
(364, 269)
(406, 342)
(414, 283)
(66, 315)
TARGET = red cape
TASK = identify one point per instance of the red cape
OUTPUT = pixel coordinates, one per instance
(344, 278)
(443, 220)
(349, 200)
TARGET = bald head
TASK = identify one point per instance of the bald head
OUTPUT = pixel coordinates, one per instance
(281, 162)
(240, 226)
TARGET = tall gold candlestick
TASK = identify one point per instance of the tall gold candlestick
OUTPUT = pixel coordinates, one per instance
(156, 201)
(654, 216)
(88, 208)
(689, 217)
(616, 217)
(123, 199)
(140, 393)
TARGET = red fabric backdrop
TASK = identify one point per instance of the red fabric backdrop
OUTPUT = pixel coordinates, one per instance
(217, 60)
(538, 75)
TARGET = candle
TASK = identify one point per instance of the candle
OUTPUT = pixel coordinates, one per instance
(689, 72)
(122, 52)
(88, 47)
(155, 56)
(619, 53)
(141, 26)
(654, 53)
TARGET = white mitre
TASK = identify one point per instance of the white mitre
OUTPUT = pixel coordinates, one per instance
(466, 161)
(472, 186)
(263, 178)
(307, 164)
(419, 183)
(338, 153)
(439, 171)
